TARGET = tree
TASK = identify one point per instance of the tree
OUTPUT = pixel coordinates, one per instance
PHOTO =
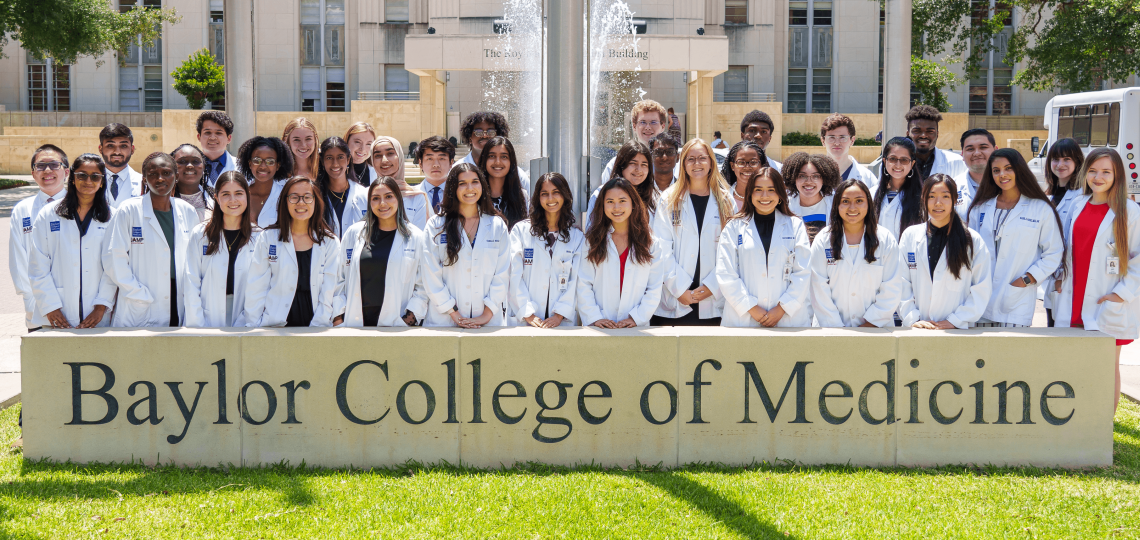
(199, 79)
(67, 29)
(929, 78)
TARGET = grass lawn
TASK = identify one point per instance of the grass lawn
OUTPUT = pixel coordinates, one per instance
(41, 500)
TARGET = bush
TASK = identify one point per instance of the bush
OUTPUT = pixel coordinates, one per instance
(200, 79)
(811, 139)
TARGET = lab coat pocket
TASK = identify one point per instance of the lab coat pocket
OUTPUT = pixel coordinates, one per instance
(137, 313)
(872, 277)
(1018, 298)
(1116, 320)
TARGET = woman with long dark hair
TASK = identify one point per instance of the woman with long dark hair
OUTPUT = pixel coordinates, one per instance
(501, 168)
(379, 264)
(1022, 232)
(693, 211)
(546, 255)
(218, 257)
(193, 186)
(898, 199)
(634, 163)
(762, 259)
(856, 276)
(388, 160)
(812, 182)
(65, 267)
(294, 275)
(265, 162)
(467, 263)
(947, 280)
(744, 160)
(620, 245)
(1100, 287)
(1064, 159)
(345, 200)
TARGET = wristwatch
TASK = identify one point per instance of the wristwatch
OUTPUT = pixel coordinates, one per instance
(1028, 279)
(452, 310)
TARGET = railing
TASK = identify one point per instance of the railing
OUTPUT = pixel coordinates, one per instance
(388, 96)
(78, 119)
(738, 97)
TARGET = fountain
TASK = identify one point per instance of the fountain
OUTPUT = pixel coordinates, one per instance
(514, 87)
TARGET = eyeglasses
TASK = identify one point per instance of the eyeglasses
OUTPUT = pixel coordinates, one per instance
(257, 162)
(296, 199)
(644, 124)
(832, 139)
(693, 160)
(812, 177)
(485, 133)
(84, 177)
(49, 166)
(190, 162)
(899, 161)
(747, 164)
(664, 152)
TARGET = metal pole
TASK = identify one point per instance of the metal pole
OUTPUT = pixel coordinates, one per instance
(896, 69)
(565, 91)
(240, 79)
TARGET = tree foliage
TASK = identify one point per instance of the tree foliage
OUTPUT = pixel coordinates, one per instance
(67, 29)
(200, 79)
(929, 78)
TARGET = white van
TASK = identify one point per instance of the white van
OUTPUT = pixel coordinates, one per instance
(1095, 119)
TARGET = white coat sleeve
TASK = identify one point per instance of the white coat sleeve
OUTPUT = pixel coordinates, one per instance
(1052, 249)
(117, 261)
(881, 312)
(826, 312)
(258, 280)
(431, 273)
(675, 281)
(323, 311)
(43, 286)
(564, 305)
(192, 283)
(588, 307)
(18, 263)
(710, 280)
(908, 307)
(651, 298)
(418, 303)
(497, 293)
(590, 209)
(519, 293)
(736, 295)
(1128, 288)
(795, 296)
(981, 287)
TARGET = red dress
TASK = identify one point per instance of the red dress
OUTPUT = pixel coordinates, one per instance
(624, 256)
(1084, 238)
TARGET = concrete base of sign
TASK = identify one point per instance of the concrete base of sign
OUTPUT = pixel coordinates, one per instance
(380, 397)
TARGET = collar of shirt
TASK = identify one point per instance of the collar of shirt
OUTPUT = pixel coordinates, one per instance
(220, 162)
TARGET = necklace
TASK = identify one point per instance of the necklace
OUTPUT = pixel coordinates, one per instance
(229, 245)
(340, 196)
(737, 196)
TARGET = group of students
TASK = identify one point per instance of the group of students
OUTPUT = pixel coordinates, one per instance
(292, 234)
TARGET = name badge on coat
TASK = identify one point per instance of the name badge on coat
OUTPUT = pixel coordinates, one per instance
(528, 256)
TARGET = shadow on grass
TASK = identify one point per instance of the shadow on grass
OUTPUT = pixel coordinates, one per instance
(727, 512)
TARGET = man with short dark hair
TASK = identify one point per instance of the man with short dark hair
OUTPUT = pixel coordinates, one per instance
(837, 133)
(50, 171)
(435, 155)
(480, 127)
(922, 128)
(215, 132)
(117, 145)
(758, 127)
(977, 145)
(664, 148)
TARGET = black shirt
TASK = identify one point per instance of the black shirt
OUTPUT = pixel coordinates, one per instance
(231, 241)
(374, 267)
(765, 224)
(84, 223)
(700, 203)
(925, 166)
(361, 173)
(336, 203)
(301, 312)
(935, 244)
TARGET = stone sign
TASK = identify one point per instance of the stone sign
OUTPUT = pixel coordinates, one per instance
(339, 397)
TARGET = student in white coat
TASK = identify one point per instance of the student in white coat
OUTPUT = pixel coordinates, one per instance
(379, 262)
(693, 211)
(360, 137)
(215, 132)
(435, 155)
(977, 146)
(345, 200)
(65, 264)
(634, 163)
(50, 172)
(218, 257)
(763, 259)
(191, 177)
(546, 256)
(1062, 162)
(467, 263)
(1022, 233)
(811, 187)
(745, 159)
(898, 199)
(620, 245)
(757, 126)
(922, 128)
(117, 146)
(145, 254)
(856, 277)
(388, 160)
(302, 138)
(265, 162)
(837, 133)
(1101, 286)
(946, 283)
(293, 276)
(500, 167)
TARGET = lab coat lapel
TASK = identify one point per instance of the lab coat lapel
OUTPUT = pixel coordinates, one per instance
(152, 221)
(393, 279)
(987, 213)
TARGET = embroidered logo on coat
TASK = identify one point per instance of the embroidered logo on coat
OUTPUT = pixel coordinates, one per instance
(136, 235)
(740, 239)
(54, 226)
(830, 258)
(981, 218)
(27, 225)
(348, 256)
(910, 263)
(204, 248)
(273, 253)
(528, 256)
(443, 239)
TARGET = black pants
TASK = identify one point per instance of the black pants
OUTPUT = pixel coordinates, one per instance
(174, 302)
(693, 318)
(1049, 317)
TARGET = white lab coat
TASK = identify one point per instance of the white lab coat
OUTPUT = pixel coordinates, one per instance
(231, 165)
(602, 294)
(205, 281)
(417, 209)
(64, 268)
(268, 214)
(524, 177)
(480, 276)
(850, 291)
(355, 206)
(890, 214)
(138, 260)
(1030, 242)
(20, 242)
(273, 281)
(960, 301)
(748, 277)
(967, 188)
(1064, 209)
(403, 289)
(427, 188)
(130, 185)
(863, 174)
(1119, 320)
(681, 245)
(541, 283)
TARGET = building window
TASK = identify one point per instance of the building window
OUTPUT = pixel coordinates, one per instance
(322, 56)
(735, 11)
(736, 84)
(49, 85)
(399, 84)
(809, 56)
(140, 71)
(396, 11)
(217, 34)
(991, 90)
